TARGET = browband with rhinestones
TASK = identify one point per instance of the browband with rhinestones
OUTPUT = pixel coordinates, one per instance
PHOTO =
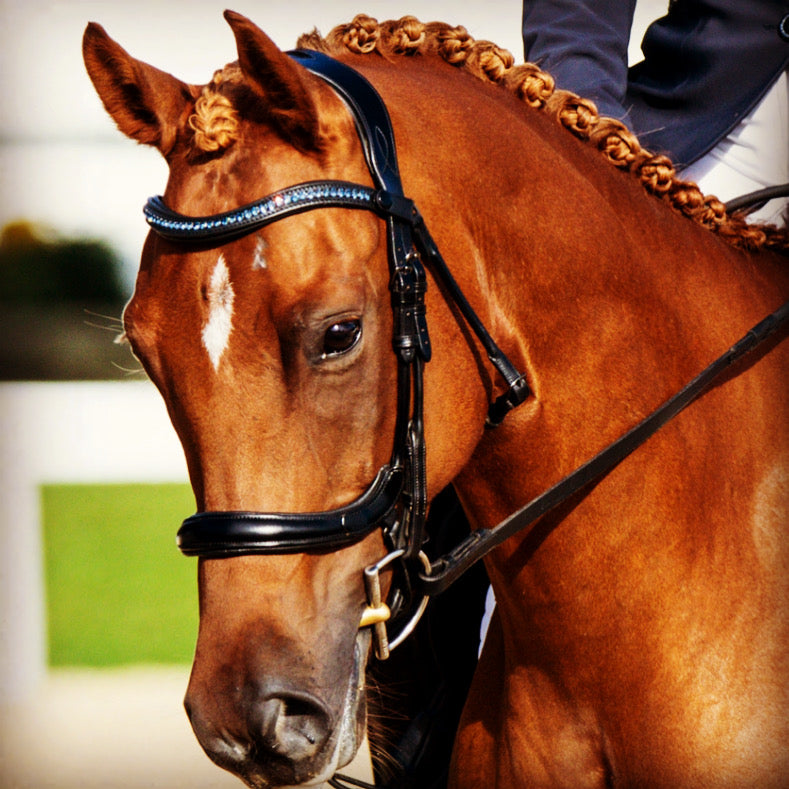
(224, 227)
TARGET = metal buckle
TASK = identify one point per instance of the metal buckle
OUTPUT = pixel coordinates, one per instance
(377, 612)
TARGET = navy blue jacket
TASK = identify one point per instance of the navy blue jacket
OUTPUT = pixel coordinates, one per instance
(706, 64)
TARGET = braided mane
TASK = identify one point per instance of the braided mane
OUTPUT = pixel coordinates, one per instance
(215, 121)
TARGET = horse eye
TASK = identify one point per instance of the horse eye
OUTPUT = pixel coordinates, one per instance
(341, 337)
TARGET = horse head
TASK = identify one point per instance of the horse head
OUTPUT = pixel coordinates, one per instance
(273, 354)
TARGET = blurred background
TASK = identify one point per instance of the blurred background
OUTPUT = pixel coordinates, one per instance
(98, 611)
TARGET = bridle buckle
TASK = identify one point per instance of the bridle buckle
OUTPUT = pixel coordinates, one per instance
(377, 612)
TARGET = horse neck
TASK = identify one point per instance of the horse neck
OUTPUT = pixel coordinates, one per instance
(598, 291)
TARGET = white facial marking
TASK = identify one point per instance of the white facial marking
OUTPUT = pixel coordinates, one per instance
(259, 260)
(216, 332)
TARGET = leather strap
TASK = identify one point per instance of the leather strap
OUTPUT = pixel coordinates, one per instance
(340, 781)
(754, 200)
(368, 110)
(217, 535)
(219, 229)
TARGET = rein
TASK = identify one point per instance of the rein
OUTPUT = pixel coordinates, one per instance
(753, 200)
(396, 501)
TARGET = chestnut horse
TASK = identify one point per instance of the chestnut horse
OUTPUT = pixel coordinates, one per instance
(641, 634)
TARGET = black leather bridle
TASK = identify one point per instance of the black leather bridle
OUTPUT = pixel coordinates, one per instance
(396, 501)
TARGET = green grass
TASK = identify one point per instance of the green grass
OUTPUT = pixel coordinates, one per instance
(118, 591)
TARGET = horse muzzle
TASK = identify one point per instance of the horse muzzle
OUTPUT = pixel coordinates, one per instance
(283, 734)
(287, 732)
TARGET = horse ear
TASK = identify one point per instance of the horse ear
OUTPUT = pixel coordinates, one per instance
(278, 81)
(147, 104)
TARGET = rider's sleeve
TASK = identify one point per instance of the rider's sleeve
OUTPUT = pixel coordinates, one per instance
(583, 45)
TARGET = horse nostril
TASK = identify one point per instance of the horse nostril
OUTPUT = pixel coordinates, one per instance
(292, 726)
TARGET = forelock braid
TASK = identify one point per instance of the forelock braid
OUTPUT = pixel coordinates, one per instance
(364, 35)
(215, 121)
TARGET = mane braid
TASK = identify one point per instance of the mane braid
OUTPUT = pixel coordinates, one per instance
(536, 88)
